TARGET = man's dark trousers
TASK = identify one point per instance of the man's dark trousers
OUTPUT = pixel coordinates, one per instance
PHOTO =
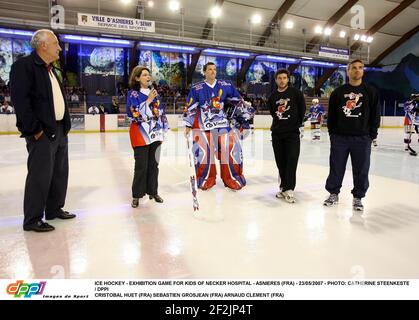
(287, 151)
(341, 146)
(47, 179)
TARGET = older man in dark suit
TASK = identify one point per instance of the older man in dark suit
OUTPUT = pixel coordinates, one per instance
(44, 121)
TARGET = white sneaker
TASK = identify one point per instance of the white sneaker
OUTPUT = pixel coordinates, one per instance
(331, 200)
(289, 196)
(357, 204)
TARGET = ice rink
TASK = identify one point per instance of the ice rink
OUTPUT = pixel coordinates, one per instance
(245, 234)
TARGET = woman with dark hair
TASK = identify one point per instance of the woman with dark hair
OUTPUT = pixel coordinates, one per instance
(148, 125)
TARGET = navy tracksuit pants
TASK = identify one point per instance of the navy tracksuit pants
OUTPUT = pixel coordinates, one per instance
(359, 148)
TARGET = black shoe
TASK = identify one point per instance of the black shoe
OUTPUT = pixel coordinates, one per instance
(156, 198)
(62, 215)
(40, 226)
(135, 202)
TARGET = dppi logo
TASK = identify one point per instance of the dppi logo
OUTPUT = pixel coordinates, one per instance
(27, 290)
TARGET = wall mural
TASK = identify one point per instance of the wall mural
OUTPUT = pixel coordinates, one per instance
(6, 59)
(402, 64)
(11, 50)
(308, 80)
(167, 68)
(102, 60)
(260, 78)
(337, 79)
(170, 68)
(227, 68)
(261, 72)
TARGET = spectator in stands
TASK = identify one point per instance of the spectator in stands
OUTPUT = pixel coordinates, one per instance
(6, 108)
(93, 110)
(98, 92)
(102, 109)
(115, 105)
(74, 97)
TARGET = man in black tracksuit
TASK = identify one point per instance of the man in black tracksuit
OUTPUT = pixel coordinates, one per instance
(287, 107)
(353, 120)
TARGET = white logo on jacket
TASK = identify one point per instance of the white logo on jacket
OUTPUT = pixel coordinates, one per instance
(352, 104)
(282, 108)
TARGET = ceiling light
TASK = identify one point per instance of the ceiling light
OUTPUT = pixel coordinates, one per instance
(227, 52)
(215, 12)
(356, 37)
(78, 39)
(256, 19)
(342, 34)
(276, 58)
(174, 5)
(318, 30)
(16, 32)
(319, 63)
(327, 31)
(170, 47)
(289, 24)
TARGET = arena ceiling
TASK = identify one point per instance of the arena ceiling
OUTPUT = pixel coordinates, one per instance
(389, 22)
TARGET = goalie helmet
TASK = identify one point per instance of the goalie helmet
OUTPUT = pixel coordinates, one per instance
(315, 101)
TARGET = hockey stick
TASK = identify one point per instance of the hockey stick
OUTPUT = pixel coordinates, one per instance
(409, 148)
(411, 151)
(192, 174)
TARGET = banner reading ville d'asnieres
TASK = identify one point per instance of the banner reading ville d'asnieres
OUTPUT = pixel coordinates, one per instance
(110, 22)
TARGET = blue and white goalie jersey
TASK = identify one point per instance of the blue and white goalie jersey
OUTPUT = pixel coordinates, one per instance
(205, 105)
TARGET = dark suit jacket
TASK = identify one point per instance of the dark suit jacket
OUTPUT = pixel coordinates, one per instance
(31, 95)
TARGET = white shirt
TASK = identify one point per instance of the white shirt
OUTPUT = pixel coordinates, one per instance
(93, 110)
(211, 85)
(7, 109)
(59, 104)
(146, 92)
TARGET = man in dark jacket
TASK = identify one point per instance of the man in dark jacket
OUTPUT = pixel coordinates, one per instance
(287, 107)
(44, 121)
(353, 121)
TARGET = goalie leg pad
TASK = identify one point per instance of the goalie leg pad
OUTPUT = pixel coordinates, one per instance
(203, 151)
(231, 160)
